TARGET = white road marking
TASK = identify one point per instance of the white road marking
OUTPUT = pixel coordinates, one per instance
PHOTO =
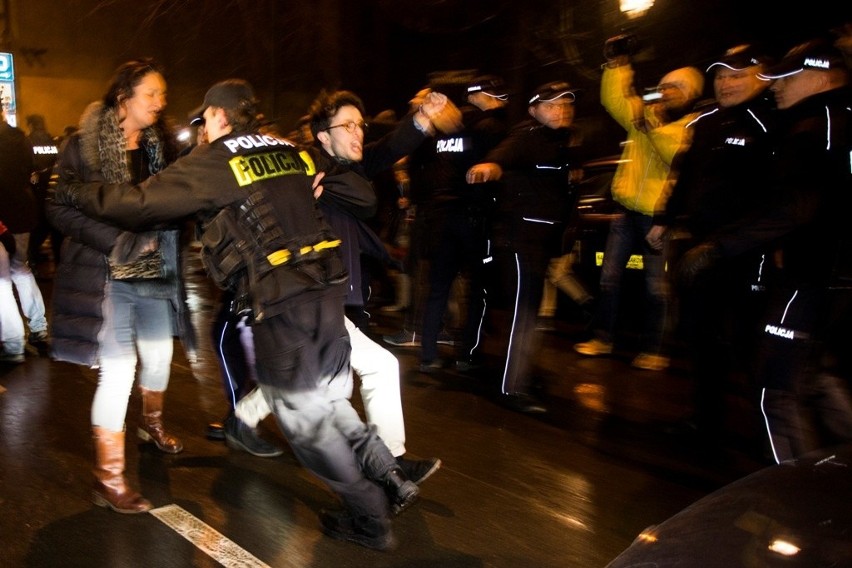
(206, 538)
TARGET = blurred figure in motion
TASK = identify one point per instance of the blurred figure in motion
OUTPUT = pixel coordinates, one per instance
(119, 297)
(804, 364)
(397, 236)
(656, 132)
(459, 223)
(720, 180)
(11, 324)
(19, 211)
(534, 163)
(44, 156)
(560, 277)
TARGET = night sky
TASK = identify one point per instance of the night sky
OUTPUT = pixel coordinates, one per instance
(386, 50)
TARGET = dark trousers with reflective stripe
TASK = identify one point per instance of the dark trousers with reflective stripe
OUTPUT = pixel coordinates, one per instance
(228, 346)
(804, 386)
(523, 266)
(460, 245)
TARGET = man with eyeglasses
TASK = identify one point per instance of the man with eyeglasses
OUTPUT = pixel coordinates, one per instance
(348, 199)
(338, 126)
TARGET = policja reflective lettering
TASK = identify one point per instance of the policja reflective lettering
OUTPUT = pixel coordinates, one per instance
(250, 141)
(257, 167)
(450, 145)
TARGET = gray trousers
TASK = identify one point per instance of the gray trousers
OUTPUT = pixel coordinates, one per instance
(302, 359)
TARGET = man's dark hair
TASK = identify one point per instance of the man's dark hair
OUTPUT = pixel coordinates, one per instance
(326, 105)
(36, 122)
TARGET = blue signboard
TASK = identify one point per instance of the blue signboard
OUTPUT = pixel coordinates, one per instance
(7, 87)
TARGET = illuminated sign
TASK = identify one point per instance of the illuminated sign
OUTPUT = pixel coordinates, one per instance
(7, 88)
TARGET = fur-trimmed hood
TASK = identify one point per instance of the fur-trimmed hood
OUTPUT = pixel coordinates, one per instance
(89, 134)
(103, 146)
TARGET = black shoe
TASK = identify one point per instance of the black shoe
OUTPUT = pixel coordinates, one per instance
(404, 338)
(215, 431)
(401, 491)
(12, 358)
(240, 436)
(367, 531)
(38, 340)
(444, 338)
(467, 366)
(524, 403)
(430, 367)
(418, 471)
(545, 324)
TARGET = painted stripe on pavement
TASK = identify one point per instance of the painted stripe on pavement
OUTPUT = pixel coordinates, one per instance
(206, 538)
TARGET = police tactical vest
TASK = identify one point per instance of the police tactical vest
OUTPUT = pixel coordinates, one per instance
(274, 245)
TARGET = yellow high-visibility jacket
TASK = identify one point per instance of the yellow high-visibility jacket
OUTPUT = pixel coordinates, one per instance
(642, 180)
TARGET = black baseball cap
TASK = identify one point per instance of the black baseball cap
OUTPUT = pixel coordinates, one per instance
(227, 94)
(742, 57)
(490, 85)
(551, 91)
(815, 55)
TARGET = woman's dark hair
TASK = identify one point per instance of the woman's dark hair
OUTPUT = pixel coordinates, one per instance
(124, 80)
(326, 105)
(126, 77)
(244, 118)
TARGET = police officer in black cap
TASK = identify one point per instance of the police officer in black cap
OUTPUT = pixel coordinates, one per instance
(535, 162)
(803, 366)
(459, 219)
(721, 179)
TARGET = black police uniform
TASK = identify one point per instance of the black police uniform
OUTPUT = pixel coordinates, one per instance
(721, 179)
(296, 294)
(45, 153)
(534, 206)
(458, 225)
(809, 299)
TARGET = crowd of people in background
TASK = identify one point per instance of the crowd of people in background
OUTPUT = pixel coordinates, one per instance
(735, 200)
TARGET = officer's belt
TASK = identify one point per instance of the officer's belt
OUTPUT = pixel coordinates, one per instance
(284, 255)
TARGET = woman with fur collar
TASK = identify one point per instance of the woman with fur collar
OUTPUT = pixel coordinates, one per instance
(119, 296)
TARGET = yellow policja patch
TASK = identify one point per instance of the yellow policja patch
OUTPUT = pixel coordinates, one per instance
(257, 167)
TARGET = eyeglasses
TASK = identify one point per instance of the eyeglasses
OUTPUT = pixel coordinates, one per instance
(351, 126)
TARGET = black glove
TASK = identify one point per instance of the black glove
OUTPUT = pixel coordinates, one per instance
(8, 240)
(624, 44)
(697, 260)
(65, 194)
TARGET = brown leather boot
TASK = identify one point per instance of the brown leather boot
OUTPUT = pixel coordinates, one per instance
(111, 489)
(151, 428)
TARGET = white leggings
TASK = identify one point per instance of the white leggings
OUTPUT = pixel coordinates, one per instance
(135, 328)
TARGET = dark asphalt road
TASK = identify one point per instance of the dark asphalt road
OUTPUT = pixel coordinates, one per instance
(571, 488)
